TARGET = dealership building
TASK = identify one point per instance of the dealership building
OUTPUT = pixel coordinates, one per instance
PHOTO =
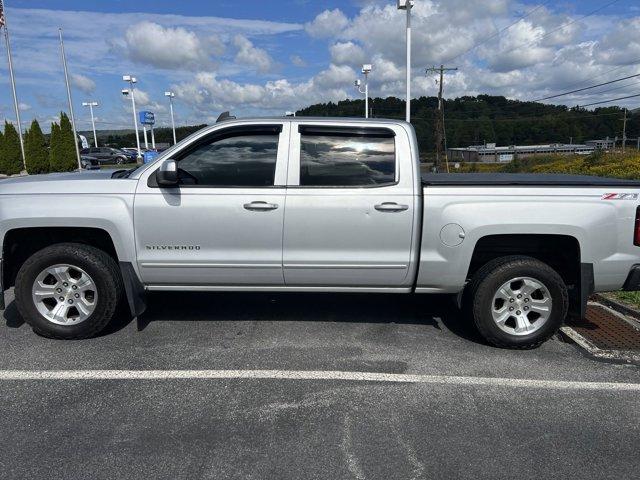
(491, 153)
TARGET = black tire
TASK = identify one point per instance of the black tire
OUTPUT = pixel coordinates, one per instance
(480, 292)
(120, 160)
(96, 263)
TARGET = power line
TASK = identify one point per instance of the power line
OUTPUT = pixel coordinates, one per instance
(564, 25)
(612, 100)
(617, 88)
(585, 88)
(571, 85)
(531, 12)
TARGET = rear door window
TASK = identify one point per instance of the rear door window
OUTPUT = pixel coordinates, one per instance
(348, 157)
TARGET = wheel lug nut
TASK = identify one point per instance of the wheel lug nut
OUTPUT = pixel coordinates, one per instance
(77, 295)
(61, 299)
(526, 299)
(519, 296)
(65, 284)
(526, 308)
(511, 309)
(59, 290)
(511, 300)
(518, 312)
(70, 301)
(75, 287)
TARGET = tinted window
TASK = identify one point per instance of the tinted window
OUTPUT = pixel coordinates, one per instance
(241, 160)
(95, 150)
(341, 161)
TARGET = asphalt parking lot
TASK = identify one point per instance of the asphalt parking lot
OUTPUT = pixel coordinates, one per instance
(248, 408)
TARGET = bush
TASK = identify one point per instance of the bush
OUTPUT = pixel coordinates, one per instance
(11, 158)
(1, 149)
(599, 163)
(63, 159)
(54, 148)
(35, 150)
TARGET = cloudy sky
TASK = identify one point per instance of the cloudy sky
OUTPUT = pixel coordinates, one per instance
(266, 57)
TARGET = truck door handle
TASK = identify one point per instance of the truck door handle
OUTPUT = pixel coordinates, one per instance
(260, 206)
(391, 207)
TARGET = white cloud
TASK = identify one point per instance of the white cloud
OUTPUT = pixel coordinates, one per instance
(83, 83)
(170, 48)
(252, 56)
(343, 53)
(24, 107)
(298, 61)
(327, 24)
(207, 92)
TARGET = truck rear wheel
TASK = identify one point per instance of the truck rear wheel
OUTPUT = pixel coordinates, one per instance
(68, 291)
(517, 302)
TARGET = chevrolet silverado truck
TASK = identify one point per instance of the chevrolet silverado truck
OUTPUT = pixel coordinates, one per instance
(315, 205)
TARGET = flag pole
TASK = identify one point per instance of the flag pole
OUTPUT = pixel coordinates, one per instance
(73, 118)
(3, 23)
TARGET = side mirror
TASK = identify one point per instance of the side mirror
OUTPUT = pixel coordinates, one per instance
(167, 174)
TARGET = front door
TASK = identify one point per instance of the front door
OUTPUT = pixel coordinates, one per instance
(350, 212)
(223, 225)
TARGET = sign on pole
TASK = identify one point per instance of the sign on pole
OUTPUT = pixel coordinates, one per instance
(147, 118)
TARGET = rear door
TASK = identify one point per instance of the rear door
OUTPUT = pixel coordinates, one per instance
(349, 213)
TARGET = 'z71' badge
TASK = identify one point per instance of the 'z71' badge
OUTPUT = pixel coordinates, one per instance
(620, 196)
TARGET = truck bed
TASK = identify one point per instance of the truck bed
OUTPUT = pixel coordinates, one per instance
(525, 179)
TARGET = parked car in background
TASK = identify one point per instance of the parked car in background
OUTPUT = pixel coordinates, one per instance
(107, 155)
(133, 152)
(89, 163)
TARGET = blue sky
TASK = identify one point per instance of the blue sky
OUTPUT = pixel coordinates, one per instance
(266, 57)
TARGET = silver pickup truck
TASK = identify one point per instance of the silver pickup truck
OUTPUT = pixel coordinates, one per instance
(315, 205)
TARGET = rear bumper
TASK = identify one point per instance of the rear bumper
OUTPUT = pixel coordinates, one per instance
(632, 283)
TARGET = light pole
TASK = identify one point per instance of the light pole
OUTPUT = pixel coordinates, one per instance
(366, 70)
(130, 91)
(93, 123)
(408, 5)
(173, 124)
(73, 118)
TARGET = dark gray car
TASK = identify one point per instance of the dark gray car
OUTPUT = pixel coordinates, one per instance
(107, 155)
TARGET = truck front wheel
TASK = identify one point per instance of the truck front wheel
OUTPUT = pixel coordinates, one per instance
(68, 291)
(517, 302)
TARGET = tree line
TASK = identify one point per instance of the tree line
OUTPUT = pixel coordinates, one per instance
(491, 119)
(58, 154)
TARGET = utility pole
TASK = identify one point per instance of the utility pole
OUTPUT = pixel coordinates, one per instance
(624, 131)
(441, 137)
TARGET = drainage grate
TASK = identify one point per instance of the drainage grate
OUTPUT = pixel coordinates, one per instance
(606, 330)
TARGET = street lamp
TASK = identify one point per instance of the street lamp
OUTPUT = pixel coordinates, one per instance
(130, 91)
(93, 123)
(408, 5)
(173, 125)
(366, 70)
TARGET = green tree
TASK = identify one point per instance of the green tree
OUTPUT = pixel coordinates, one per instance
(64, 160)
(54, 148)
(11, 155)
(35, 150)
(1, 151)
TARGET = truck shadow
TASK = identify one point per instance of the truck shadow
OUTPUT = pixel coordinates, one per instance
(433, 310)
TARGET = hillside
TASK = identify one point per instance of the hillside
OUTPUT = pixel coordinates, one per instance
(475, 120)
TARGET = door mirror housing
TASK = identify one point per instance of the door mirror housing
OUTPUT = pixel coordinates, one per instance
(167, 174)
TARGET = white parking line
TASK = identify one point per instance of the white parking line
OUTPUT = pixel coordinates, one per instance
(311, 375)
